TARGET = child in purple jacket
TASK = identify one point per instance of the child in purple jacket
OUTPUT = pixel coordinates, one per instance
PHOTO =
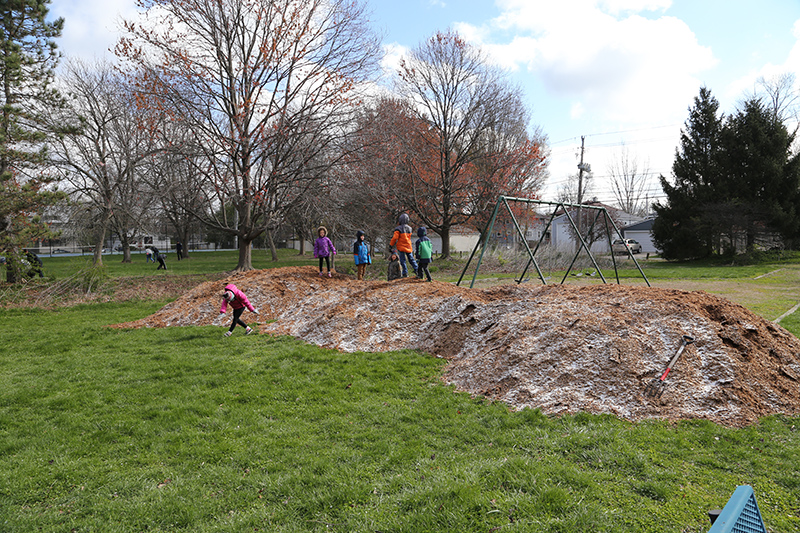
(238, 301)
(323, 249)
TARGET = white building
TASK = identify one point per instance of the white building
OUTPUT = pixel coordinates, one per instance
(561, 233)
(643, 234)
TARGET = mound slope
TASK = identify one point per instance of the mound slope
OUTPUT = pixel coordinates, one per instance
(561, 348)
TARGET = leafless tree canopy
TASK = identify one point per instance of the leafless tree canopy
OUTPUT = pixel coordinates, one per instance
(629, 181)
(477, 134)
(266, 89)
(100, 157)
(782, 96)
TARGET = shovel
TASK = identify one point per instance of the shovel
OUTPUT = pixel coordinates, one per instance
(656, 387)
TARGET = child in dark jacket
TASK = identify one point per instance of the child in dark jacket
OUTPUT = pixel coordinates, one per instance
(238, 301)
(423, 250)
(361, 255)
(395, 271)
(323, 249)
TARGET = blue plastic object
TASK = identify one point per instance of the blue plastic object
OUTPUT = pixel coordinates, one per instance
(741, 514)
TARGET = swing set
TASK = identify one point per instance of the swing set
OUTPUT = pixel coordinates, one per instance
(558, 208)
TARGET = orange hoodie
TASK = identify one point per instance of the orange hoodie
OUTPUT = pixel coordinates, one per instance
(402, 236)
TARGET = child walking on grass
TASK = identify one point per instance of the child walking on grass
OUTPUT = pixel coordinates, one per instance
(323, 249)
(239, 302)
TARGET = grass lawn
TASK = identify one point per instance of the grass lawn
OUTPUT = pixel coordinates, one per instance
(59, 266)
(179, 429)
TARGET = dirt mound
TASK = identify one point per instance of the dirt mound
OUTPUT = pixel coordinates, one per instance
(560, 348)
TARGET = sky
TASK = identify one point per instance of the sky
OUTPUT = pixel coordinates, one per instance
(622, 74)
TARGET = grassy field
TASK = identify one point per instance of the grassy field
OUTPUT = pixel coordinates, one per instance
(179, 429)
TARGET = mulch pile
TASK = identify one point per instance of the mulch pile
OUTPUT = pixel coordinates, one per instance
(560, 348)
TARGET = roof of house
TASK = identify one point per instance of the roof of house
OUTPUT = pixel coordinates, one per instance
(645, 225)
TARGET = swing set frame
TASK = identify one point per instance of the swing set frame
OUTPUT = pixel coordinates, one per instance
(503, 201)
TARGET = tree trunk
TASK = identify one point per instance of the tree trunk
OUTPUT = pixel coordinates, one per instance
(245, 256)
(97, 256)
(101, 237)
(184, 240)
(126, 250)
(445, 242)
(272, 249)
(302, 246)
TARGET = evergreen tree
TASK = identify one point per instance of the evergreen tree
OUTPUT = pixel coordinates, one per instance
(681, 231)
(27, 58)
(736, 184)
(761, 175)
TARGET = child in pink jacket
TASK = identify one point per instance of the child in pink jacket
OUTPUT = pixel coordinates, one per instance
(238, 302)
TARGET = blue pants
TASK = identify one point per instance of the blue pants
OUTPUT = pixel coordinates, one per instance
(411, 260)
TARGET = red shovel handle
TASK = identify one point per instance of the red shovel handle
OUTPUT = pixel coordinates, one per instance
(686, 340)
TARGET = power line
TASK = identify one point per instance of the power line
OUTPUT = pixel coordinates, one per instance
(617, 132)
(651, 173)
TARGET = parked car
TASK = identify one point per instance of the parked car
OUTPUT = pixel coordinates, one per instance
(59, 251)
(621, 246)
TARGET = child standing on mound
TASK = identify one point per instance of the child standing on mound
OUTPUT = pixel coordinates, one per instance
(361, 255)
(424, 252)
(323, 249)
(401, 241)
(238, 301)
(394, 270)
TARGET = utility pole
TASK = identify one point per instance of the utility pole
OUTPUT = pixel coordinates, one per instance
(582, 167)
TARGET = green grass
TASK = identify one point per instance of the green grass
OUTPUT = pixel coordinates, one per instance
(59, 266)
(179, 429)
(715, 268)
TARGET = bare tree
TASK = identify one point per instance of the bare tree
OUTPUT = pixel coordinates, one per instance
(782, 96)
(177, 190)
(100, 156)
(265, 88)
(629, 180)
(575, 190)
(467, 117)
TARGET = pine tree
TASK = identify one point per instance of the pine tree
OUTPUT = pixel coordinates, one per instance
(680, 230)
(736, 184)
(761, 179)
(27, 58)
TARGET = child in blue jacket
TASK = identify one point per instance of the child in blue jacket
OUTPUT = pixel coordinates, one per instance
(361, 255)
(423, 250)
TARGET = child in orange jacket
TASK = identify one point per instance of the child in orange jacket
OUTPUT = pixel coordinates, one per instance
(401, 240)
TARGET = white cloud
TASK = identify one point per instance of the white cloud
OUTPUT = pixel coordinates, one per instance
(392, 54)
(91, 27)
(618, 67)
(623, 6)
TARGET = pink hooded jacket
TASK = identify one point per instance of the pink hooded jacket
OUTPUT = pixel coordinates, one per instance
(239, 299)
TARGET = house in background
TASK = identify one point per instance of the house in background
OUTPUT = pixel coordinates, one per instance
(462, 239)
(562, 233)
(642, 232)
(531, 224)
